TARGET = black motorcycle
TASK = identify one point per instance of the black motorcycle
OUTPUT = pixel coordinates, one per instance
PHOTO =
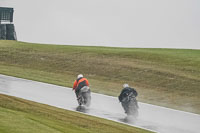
(130, 105)
(84, 97)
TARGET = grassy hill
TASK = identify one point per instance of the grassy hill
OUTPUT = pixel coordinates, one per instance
(22, 116)
(166, 77)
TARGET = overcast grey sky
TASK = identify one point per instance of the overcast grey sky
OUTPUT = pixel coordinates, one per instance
(126, 23)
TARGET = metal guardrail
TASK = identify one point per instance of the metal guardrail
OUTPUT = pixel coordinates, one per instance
(6, 14)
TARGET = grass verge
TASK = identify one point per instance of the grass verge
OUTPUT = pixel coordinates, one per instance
(22, 116)
(166, 77)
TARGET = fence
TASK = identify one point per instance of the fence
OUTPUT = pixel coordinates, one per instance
(6, 14)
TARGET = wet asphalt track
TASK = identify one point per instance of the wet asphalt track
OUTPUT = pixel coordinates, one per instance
(151, 117)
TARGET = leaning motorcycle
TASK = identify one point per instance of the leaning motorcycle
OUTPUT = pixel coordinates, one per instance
(130, 105)
(84, 97)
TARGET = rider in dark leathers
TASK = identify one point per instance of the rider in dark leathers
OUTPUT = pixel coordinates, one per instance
(126, 91)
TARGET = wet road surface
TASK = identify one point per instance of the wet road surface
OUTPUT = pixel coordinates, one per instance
(151, 117)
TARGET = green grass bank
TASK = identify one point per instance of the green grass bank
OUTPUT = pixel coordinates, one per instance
(166, 77)
(22, 116)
